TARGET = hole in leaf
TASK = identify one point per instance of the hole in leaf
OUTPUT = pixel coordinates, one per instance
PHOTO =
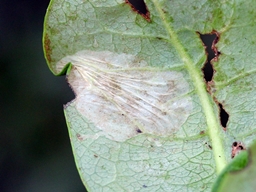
(208, 72)
(139, 131)
(223, 116)
(139, 7)
(209, 41)
(236, 148)
(235, 144)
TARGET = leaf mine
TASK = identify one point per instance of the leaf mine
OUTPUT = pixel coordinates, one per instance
(123, 97)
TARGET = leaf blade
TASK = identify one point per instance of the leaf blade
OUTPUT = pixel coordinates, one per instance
(112, 26)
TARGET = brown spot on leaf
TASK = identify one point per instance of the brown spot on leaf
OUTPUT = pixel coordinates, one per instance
(47, 48)
(139, 7)
(202, 132)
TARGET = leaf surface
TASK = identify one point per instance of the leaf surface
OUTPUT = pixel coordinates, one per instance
(142, 119)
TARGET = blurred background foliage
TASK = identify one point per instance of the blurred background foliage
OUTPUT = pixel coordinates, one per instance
(35, 152)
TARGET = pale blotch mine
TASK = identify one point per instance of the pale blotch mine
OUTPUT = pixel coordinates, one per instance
(123, 97)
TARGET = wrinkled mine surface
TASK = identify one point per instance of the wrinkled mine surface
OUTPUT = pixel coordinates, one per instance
(120, 95)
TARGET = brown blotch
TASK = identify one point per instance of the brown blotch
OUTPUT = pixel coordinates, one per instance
(139, 7)
(202, 132)
(47, 48)
(96, 156)
(208, 145)
(236, 148)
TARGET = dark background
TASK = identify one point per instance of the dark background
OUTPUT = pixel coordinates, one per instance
(35, 152)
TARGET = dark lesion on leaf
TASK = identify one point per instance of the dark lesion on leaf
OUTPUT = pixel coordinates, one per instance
(139, 7)
(236, 148)
(208, 145)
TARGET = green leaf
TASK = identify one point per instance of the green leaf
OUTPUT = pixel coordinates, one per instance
(142, 119)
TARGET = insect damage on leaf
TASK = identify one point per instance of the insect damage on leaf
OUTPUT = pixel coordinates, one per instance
(224, 116)
(122, 96)
(236, 148)
(140, 7)
(209, 41)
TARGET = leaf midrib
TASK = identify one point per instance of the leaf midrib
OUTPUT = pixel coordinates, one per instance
(212, 123)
